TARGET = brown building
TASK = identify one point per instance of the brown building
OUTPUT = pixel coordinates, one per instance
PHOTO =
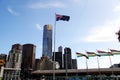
(28, 57)
(37, 64)
(14, 57)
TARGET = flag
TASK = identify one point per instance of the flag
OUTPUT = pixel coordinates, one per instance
(99, 51)
(91, 54)
(103, 53)
(115, 52)
(81, 55)
(62, 17)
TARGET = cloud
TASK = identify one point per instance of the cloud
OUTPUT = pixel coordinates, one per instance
(40, 5)
(38, 27)
(105, 32)
(11, 11)
(117, 8)
(76, 1)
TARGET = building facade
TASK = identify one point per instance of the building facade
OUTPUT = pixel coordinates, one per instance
(67, 58)
(58, 58)
(37, 64)
(3, 57)
(11, 74)
(74, 63)
(60, 49)
(47, 41)
(28, 56)
(14, 59)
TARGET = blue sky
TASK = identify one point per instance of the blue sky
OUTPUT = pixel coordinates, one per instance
(92, 25)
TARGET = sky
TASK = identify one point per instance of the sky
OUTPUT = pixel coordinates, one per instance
(92, 26)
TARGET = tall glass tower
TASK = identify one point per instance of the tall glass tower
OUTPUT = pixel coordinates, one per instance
(47, 41)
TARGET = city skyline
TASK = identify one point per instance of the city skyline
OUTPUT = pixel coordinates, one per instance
(92, 26)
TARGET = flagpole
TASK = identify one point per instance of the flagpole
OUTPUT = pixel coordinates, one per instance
(111, 64)
(57, 17)
(98, 63)
(110, 61)
(76, 68)
(99, 68)
(87, 64)
(66, 66)
(87, 67)
(54, 48)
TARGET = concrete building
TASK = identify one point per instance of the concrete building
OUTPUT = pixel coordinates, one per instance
(28, 56)
(60, 49)
(13, 63)
(37, 64)
(77, 74)
(15, 57)
(28, 60)
(11, 74)
(74, 63)
(3, 57)
(67, 58)
(58, 58)
(46, 63)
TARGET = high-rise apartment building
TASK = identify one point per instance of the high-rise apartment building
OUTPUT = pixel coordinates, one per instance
(47, 41)
(60, 49)
(67, 58)
(74, 63)
(58, 58)
(15, 57)
(28, 56)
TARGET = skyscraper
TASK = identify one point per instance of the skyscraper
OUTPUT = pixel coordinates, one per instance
(28, 56)
(67, 58)
(74, 63)
(15, 56)
(47, 41)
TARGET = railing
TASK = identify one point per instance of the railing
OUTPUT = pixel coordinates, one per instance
(90, 77)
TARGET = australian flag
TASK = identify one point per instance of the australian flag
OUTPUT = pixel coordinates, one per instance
(62, 17)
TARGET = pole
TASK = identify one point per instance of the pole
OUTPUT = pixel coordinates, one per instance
(66, 66)
(87, 68)
(54, 48)
(99, 68)
(110, 61)
(76, 68)
(111, 64)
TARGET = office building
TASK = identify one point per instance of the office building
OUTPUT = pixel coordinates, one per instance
(67, 58)
(58, 58)
(47, 41)
(74, 63)
(28, 56)
(37, 64)
(46, 63)
(3, 57)
(60, 49)
(11, 74)
(15, 57)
